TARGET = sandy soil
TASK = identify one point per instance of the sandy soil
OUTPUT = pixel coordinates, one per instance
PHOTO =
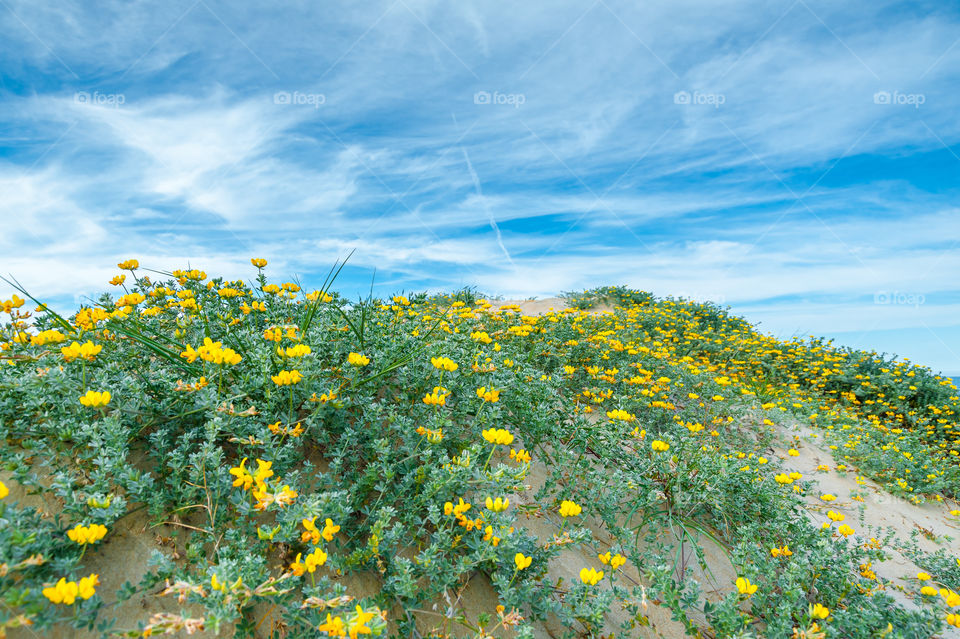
(878, 512)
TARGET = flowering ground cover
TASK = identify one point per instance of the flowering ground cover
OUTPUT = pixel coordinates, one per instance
(444, 465)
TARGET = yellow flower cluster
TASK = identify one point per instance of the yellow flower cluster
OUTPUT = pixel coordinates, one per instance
(614, 561)
(87, 351)
(88, 318)
(620, 415)
(257, 484)
(212, 352)
(744, 587)
(498, 436)
(443, 363)
(66, 592)
(355, 626)
(433, 435)
(569, 508)
(14, 302)
(497, 505)
(314, 534)
(322, 296)
(458, 511)
(491, 395)
(659, 446)
(130, 299)
(313, 561)
(193, 275)
(522, 456)
(590, 576)
(129, 265)
(357, 359)
(282, 496)
(287, 378)
(259, 262)
(521, 562)
(47, 337)
(294, 431)
(293, 351)
(87, 534)
(323, 398)
(481, 337)
(277, 333)
(243, 477)
(95, 399)
(437, 398)
(785, 479)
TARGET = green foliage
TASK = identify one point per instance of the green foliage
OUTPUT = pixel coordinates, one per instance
(278, 432)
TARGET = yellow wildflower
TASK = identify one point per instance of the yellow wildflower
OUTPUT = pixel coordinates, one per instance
(521, 455)
(287, 378)
(64, 592)
(590, 576)
(443, 363)
(358, 625)
(333, 627)
(95, 399)
(498, 436)
(87, 351)
(497, 505)
(659, 446)
(437, 398)
(744, 587)
(491, 395)
(357, 359)
(87, 534)
(569, 508)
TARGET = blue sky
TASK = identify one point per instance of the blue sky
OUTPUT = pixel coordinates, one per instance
(798, 161)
